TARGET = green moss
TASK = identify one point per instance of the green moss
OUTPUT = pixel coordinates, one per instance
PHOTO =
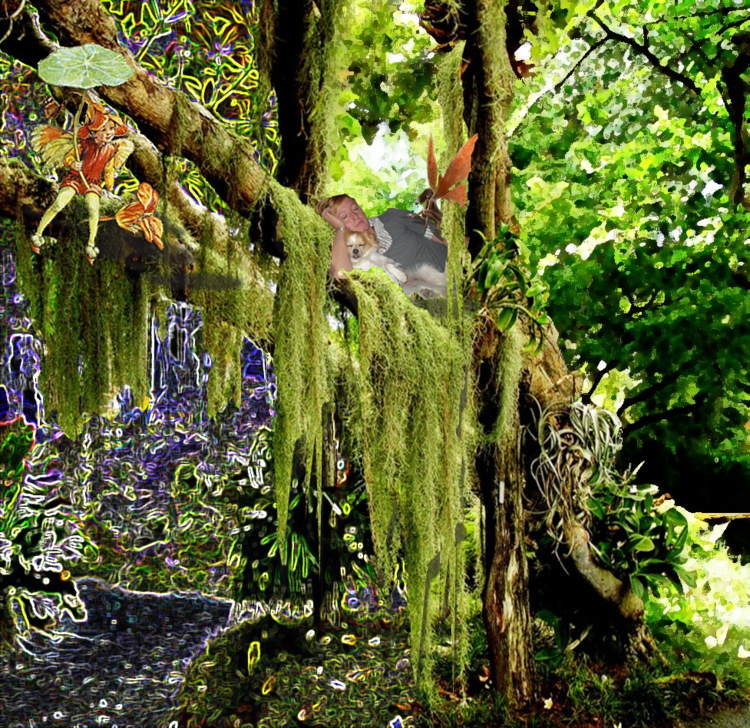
(99, 313)
(508, 369)
(300, 340)
(451, 100)
(411, 375)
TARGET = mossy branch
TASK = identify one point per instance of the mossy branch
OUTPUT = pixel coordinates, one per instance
(202, 138)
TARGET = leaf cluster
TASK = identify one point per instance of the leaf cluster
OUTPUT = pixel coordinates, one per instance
(506, 286)
(577, 478)
(617, 167)
(391, 77)
(636, 542)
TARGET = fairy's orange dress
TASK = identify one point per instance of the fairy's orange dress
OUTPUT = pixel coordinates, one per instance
(94, 158)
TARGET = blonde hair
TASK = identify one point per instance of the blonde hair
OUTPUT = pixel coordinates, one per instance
(332, 203)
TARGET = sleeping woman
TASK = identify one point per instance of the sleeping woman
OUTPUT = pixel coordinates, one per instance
(402, 237)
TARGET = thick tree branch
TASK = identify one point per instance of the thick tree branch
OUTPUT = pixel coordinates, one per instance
(644, 51)
(550, 380)
(645, 394)
(666, 415)
(175, 125)
(619, 596)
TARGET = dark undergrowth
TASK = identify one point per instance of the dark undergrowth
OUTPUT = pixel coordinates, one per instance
(582, 691)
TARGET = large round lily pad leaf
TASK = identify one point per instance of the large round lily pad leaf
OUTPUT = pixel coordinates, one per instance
(85, 66)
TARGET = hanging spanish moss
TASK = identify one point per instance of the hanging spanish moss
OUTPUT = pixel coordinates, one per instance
(300, 341)
(93, 321)
(411, 374)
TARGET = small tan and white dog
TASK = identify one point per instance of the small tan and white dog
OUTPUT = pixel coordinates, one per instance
(364, 254)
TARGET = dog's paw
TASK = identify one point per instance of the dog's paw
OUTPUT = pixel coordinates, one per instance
(398, 275)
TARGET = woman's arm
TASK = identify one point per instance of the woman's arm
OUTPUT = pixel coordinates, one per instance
(339, 256)
(445, 242)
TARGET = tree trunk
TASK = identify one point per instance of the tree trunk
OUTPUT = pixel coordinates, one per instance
(505, 596)
(488, 93)
(297, 43)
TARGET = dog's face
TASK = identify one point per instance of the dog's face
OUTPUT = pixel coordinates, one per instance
(360, 244)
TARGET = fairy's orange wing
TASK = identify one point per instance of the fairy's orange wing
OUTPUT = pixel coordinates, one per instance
(459, 168)
(458, 194)
(148, 197)
(153, 228)
(127, 217)
(432, 166)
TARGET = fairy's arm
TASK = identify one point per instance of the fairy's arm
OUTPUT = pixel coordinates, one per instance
(124, 149)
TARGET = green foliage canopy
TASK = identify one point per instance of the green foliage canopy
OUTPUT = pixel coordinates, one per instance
(624, 152)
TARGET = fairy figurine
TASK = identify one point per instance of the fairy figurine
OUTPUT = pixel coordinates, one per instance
(101, 150)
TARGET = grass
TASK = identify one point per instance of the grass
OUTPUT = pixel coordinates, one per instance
(581, 691)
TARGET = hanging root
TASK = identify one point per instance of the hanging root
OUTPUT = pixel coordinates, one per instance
(611, 590)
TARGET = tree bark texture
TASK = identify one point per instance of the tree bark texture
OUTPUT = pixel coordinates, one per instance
(505, 596)
(488, 93)
(297, 40)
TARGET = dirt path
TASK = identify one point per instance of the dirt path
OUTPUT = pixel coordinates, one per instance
(123, 666)
(733, 718)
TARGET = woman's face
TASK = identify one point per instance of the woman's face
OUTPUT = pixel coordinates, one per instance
(352, 216)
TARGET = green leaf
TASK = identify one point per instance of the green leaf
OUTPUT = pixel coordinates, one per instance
(549, 653)
(85, 66)
(496, 269)
(637, 586)
(686, 576)
(596, 508)
(644, 544)
(521, 278)
(536, 290)
(506, 318)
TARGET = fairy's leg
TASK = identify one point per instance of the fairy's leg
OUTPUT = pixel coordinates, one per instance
(64, 196)
(92, 199)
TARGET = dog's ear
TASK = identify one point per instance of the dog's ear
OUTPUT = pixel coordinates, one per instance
(372, 238)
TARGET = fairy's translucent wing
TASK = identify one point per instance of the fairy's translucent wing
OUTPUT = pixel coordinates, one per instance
(52, 143)
(124, 149)
(457, 194)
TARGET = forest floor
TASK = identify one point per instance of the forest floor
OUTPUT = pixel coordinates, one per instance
(127, 663)
(723, 718)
